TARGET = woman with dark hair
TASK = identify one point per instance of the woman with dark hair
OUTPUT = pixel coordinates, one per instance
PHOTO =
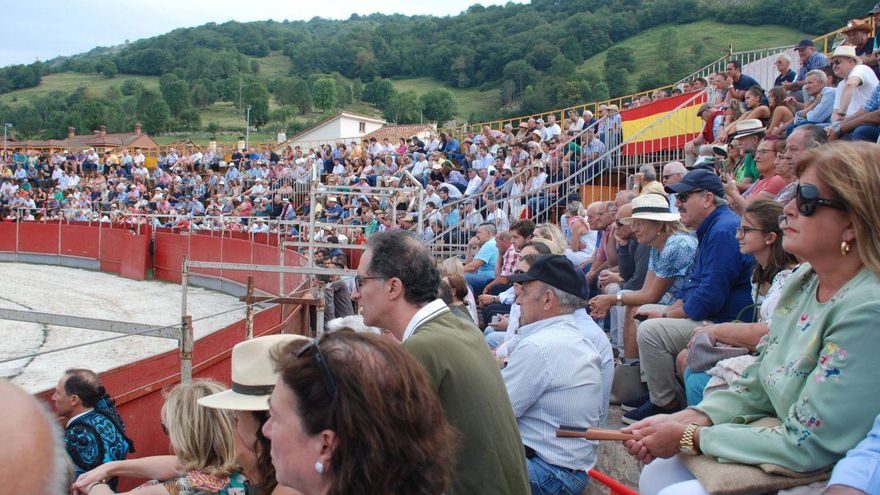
(781, 114)
(353, 413)
(759, 234)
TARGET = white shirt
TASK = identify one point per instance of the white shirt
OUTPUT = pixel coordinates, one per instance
(428, 311)
(499, 218)
(78, 415)
(419, 167)
(861, 93)
(473, 186)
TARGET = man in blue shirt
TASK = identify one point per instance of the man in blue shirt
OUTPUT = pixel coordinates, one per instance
(717, 289)
(859, 471)
(810, 60)
(741, 82)
(480, 269)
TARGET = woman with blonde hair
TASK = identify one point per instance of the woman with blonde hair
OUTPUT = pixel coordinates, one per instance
(203, 442)
(551, 233)
(454, 266)
(814, 384)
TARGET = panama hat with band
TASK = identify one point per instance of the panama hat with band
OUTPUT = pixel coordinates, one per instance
(651, 207)
(747, 128)
(253, 378)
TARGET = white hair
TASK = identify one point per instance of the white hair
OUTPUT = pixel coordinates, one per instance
(784, 56)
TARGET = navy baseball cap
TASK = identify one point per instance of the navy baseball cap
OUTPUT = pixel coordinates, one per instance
(554, 270)
(804, 44)
(701, 179)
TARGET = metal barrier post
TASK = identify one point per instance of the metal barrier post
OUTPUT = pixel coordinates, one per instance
(186, 349)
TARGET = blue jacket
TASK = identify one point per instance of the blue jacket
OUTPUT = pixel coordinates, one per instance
(96, 437)
(719, 284)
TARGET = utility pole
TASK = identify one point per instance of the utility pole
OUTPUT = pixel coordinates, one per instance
(247, 131)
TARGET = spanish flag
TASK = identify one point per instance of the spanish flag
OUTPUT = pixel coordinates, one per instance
(662, 125)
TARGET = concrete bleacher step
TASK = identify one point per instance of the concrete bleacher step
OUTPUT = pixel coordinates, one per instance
(613, 460)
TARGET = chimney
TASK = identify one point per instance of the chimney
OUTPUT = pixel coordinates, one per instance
(137, 129)
(71, 132)
(103, 130)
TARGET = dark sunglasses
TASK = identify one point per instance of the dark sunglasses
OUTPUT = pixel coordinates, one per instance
(683, 196)
(808, 200)
(321, 362)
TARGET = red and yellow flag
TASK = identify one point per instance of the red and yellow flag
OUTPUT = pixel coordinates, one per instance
(662, 125)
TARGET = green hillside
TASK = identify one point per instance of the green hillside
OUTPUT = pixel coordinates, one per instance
(67, 82)
(715, 37)
(470, 100)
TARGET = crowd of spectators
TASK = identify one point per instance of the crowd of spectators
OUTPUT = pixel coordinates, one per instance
(725, 303)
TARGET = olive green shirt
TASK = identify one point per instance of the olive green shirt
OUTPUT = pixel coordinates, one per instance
(490, 458)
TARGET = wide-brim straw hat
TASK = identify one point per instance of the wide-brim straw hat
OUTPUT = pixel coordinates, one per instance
(651, 207)
(847, 51)
(253, 378)
(747, 128)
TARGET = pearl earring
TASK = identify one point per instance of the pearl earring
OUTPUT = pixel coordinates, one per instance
(319, 467)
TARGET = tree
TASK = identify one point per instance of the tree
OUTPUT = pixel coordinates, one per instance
(256, 95)
(620, 57)
(438, 105)
(403, 108)
(190, 120)
(131, 87)
(542, 55)
(302, 97)
(522, 74)
(617, 80)
(175, 92)
(202, 93)
(324, 93)
(378, 92)
(107, 68)
(156, 117)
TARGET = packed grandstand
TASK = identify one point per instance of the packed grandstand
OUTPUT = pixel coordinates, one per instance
(730, 270)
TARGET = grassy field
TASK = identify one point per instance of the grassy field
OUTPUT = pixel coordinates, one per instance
(274, 65)
(469, 100)
(714, 36)
(68, 82)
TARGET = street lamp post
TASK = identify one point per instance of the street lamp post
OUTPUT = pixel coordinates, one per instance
(247, 131)
(6, 127)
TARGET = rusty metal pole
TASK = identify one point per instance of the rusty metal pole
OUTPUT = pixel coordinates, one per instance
(186, 349)
(249, 314)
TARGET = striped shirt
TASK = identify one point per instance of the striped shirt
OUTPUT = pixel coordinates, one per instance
(553, 379)
(509, 260)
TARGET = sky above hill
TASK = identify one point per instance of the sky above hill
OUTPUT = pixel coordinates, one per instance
(45, 29)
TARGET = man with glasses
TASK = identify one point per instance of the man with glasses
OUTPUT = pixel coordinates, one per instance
(397, 286)
(857, 82)
(717, 289)
(672, 174)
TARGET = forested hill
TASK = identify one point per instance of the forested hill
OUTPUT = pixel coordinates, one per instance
(508, 48)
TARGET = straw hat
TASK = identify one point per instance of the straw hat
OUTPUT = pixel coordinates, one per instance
(747, 128)
(651, 207)
(252, 375)
(847, 51)
(857, 25)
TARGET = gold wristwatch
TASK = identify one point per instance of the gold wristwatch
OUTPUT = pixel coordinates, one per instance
(686, 444)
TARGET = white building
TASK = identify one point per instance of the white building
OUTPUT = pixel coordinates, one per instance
(342, 126)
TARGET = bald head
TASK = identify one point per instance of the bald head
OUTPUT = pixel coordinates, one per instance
(33, 460)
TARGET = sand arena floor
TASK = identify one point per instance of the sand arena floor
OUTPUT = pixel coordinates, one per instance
(86, 293)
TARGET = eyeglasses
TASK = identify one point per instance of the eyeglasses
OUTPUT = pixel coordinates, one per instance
(764, 151)
(667, 176)
(619, 223)
(742, 230)
(683, 196)
(836, 62)
(359, 281)
(321, 362)
(808, 200)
